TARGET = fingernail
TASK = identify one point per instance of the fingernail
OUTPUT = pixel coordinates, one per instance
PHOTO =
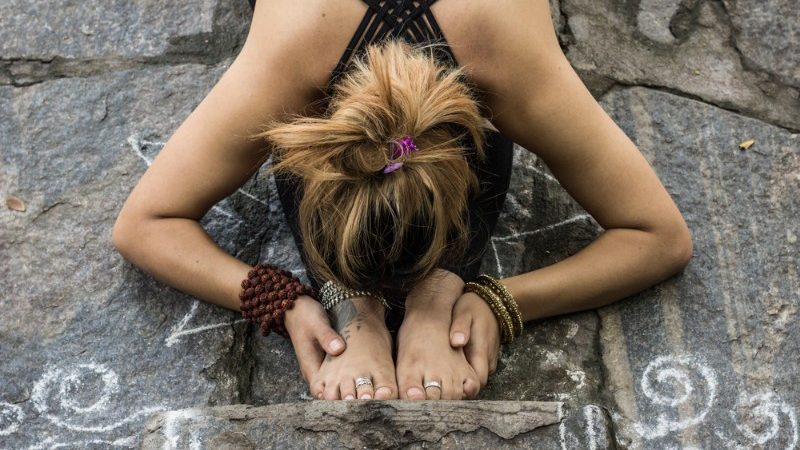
(349, 397)
(414, 392)
(366, 397)
(336, 345)
(459, 338)
(383, 391)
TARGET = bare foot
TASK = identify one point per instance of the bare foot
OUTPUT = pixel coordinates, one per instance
(360, 321)
(424, 353)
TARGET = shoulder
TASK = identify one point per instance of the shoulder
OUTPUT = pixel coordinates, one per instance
(496, 41)
(302, 40)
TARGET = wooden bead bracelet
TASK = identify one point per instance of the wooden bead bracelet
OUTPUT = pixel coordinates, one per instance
(267, 293)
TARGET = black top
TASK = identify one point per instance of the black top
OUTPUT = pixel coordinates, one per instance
(413, 21)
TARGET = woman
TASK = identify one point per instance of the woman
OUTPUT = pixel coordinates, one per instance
(448, 341)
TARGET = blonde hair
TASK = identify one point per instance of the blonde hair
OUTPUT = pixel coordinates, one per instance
(361, 227)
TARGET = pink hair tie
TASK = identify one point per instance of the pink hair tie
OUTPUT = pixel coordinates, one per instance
(400, 147)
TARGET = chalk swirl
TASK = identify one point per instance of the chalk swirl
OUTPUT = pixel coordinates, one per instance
(671, 381)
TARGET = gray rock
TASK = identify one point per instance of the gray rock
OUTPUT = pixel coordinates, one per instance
(686, 47)
(91, 345)
(61, 38)
(708, 359)
(381, 424)
(767, 33)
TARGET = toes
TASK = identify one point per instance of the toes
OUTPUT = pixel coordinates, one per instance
(364, 391)
(433, 392)
(411, 388)
(331, 391)
(471, 388)
(385, 388)
(317, 388)
(347, 389)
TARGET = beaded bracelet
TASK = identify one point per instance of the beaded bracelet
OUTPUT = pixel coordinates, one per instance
(497, 307)
(331, 294)
(502, 304)
(267, 293)
(508, 300)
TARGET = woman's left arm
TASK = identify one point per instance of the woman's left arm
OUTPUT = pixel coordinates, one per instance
(538, 101)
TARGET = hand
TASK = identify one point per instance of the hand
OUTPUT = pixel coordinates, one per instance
(312, 336)
(477, 325)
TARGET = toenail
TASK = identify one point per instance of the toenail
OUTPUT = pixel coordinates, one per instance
(414, 392)
(384, 391)
(349, 397)
(366, 397)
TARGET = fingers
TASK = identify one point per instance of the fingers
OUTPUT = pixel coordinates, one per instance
(309, 356)
(479, 362)
(329, 340)
(460, 327)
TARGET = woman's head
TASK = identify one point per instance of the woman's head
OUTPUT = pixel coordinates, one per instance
(360, 226)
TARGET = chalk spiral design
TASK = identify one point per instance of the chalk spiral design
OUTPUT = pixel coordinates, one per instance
(677, 372)
(60, 393)
(11, 416)
(765, 409)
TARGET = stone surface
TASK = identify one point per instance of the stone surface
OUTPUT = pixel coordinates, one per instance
(90, 345)
(685, 46)
(767, 33)
(381, 424)
(93, 349)
(708, 359)
(60, 38)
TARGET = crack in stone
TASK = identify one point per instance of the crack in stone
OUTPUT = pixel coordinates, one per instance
(618, 85)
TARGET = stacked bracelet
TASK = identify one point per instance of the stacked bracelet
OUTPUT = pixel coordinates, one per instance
(267, 293)
(502, 304)
(331, 294)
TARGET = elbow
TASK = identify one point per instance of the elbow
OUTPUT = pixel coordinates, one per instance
(121, 235)
(678, 248)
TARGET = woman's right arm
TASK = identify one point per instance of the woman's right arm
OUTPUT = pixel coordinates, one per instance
(207, 158)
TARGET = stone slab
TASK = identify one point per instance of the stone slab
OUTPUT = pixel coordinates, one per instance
(691, 47)
(708, 359)
(379, 424)
(90, 345)
(96, 29)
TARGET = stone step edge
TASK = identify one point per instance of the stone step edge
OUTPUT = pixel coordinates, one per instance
(356, 423)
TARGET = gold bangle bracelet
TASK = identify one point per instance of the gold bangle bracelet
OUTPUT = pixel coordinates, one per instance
(497, 307)
(495, 304)
(510, 302)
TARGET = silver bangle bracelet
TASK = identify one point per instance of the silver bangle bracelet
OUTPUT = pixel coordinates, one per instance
(331, 294)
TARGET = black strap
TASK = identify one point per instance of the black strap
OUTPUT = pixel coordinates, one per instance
(409, 19)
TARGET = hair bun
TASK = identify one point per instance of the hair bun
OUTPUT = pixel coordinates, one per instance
(393, 90)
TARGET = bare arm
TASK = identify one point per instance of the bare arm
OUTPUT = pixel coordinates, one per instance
(539, 102)
(207, 158)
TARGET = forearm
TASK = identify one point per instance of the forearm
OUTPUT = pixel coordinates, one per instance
(619, 263)
(179, 253)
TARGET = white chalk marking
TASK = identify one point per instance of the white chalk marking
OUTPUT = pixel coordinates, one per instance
(178, 330)
(681, 375)
(11, 414)
(572, 219)
(577, 376)
(594, 425)
(57, 383)
(48, 443)
(172, 432)
(767, 405)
